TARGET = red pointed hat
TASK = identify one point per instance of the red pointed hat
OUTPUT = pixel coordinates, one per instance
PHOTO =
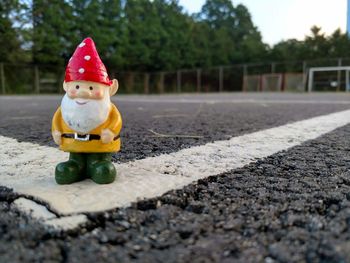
(86, 64)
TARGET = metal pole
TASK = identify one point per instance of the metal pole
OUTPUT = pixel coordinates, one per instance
(273, 68)
(348, 20)
(347, 88)
(221, 79)
(339, 75)
(199, 80)
(311, 79)
(2, 76)
(161, 83)
(245, 73)
(146, 83)
(179, 81)
(130, 80)
(245, 70)
(304, 73)
(36, 80)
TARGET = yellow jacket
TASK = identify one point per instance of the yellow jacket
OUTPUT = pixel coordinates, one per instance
(114, 123)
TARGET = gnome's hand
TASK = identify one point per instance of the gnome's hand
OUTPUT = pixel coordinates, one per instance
(57, 137)
(107, 136)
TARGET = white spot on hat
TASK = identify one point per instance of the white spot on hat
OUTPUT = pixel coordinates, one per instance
(82, 44)
(81, 70)
(105, 74)
(87, 58)
(70, 58)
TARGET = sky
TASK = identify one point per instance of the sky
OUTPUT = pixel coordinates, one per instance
(279, 20)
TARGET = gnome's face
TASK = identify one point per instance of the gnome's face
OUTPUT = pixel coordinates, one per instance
(89, 89)
(86, 104)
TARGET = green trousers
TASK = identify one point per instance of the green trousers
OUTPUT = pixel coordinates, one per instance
(96, 166)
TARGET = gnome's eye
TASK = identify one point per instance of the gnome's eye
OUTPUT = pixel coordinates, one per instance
(91, 88)
(77, 86)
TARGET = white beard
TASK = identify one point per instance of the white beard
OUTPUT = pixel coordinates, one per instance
(84, 118)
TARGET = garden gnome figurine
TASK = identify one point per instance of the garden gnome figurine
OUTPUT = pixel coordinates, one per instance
(87, 124)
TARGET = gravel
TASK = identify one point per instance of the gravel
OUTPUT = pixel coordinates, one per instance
(293, 206)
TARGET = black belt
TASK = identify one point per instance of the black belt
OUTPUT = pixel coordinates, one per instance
(85, 137)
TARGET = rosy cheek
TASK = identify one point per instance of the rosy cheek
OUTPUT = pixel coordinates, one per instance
(72, 93)
(98, 94)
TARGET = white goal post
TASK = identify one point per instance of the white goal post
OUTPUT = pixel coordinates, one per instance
(329, 69)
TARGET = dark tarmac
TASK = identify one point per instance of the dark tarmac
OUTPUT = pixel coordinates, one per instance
(162, 124)
(293, 206)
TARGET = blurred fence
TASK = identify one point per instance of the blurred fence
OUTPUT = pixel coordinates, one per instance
(275, 77)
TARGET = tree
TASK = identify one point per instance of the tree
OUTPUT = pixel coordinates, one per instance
(234, 38)
(250, 42)
(200, 40)
(176, 48)
(143, 33)
(291, 49)
(339, 44)
(10, 31)
(218, 14)
(113, 35)
(51, 35)
(101, 20)
(316, 45)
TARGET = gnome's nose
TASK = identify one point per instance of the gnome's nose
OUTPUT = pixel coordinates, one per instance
(83, 93)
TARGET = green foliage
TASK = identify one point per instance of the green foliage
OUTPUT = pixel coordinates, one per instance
(315, 46)
(176, 48)
(158, 36)
(102, 20)
(58, 26)
(339, 45)
(10, 31)
(51, 31)
(144, 35)
(234, 38)
(200, 44)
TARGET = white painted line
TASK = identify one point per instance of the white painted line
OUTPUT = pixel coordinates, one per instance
(33, 209)
(28, 168)
(67, 223)
(42, 214)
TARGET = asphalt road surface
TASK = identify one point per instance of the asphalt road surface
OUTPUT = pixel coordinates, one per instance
(293, 206)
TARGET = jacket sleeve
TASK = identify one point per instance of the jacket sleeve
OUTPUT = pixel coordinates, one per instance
(56, 121)
(115, 121)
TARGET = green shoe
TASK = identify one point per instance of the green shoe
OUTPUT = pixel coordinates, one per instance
(71, 171)
(100, 168)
